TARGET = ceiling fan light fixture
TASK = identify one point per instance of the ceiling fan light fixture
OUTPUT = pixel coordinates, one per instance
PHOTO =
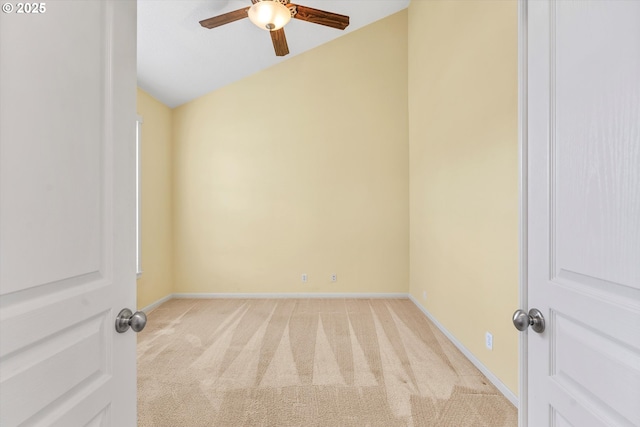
(270, 15)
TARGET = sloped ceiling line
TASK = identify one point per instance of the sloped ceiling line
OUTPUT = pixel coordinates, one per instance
(178, 60)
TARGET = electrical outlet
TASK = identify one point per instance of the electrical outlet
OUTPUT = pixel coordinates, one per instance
(488, 340)
(305, 278)
(424, 295)
(334, 277)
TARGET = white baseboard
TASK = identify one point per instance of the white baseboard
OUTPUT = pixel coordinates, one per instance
(291, 295)
(472, 358)
(152, 306)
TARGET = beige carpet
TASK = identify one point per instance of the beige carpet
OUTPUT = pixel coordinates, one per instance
(307, 362)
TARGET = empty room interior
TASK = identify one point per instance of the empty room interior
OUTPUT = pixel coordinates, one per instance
(369, 184)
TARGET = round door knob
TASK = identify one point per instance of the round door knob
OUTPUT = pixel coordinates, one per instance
(536, 320)
(126, 319)
(522, 320)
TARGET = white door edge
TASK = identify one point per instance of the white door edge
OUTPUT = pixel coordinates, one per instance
(523, 207)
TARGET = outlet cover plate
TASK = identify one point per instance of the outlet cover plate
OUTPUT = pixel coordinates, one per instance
(488, 340)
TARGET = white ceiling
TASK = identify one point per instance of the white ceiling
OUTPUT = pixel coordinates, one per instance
(179, 60)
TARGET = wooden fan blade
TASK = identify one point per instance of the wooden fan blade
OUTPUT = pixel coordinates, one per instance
(279, 42)
(321, 17)
(225, 18)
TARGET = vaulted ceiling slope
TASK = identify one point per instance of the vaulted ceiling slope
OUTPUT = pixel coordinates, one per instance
(179, 60)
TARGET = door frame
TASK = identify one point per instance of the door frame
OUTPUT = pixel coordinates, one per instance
(523, 207)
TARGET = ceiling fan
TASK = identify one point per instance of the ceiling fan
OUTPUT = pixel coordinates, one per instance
(273, 15)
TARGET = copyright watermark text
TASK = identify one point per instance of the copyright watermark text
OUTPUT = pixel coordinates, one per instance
(26, 8)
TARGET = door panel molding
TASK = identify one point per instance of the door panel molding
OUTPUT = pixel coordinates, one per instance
(552, 144)
(82, 344)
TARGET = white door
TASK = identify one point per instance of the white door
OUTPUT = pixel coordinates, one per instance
(584, 212)
(67, 212)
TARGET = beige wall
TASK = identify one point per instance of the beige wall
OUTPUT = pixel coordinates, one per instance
(464, 172)
(301, 168)
(156, 282)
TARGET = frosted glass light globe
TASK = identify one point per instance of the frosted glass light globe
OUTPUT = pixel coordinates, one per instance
(269, 15)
